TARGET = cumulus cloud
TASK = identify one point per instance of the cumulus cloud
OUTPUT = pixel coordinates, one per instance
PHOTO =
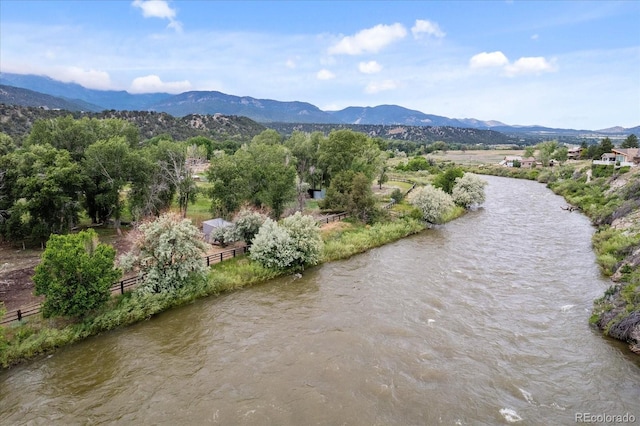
(91, 79)
(153, 84)
(370, 67)
(524, 65)
(325, 74)
(370, 40)
(531, 65)
(380, 86)
(158, 9)
(426, 27)
(488, 59)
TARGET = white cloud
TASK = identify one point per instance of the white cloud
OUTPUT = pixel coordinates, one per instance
(531, 65)
(535, 37)
(290, 63)
(91, 79)
(153, 84)
(524, 65)
(488, 59)
(325, 74)
(158, 9)
(380, 86)
(370, 40)
(426, 27)
(370, 67)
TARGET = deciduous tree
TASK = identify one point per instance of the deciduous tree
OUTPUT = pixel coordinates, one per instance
(75, 274)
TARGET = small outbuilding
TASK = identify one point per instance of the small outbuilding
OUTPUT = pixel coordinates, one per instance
(209, 225)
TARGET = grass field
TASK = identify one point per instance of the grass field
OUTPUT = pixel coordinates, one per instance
(474, 158)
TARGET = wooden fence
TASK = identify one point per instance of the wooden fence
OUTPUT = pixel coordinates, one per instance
(128, 283)
(121, 286)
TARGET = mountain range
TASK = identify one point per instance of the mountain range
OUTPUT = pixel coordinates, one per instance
(33, 90)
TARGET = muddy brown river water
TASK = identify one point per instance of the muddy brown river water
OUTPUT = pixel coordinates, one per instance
(482, 321)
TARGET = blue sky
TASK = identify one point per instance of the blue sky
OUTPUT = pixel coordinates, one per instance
(568, 64)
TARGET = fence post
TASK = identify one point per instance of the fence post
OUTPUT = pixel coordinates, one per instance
(122, 287)
(208, 261)
(234, 252)
(19, 315)
(221, 256)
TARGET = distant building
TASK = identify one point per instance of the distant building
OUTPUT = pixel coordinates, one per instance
(574, 153)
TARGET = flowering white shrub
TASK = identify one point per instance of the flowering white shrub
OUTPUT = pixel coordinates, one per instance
(433, 202)
(273, 246)
(169, 251)
(247, 223)
(469, 190)
(305, 233)
(294, 243)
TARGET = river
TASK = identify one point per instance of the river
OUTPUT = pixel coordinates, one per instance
(481, 321)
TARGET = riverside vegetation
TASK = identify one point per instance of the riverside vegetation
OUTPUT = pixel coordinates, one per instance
(610, 197)
(93, 170)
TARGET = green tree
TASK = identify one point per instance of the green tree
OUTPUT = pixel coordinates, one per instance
(6, 144)
(273, 177)
(268, 137)
(605, 146)
(76, 135)
(108, 165)
(417, 163)
(229, 179)
(201, 141)
(469, 190)
(447, 179)
(75, 274)
(351, 191)
(304, 148)
(169, 252)
(631, 141)
(433, 203)
(348, 150)
(260, 173)
(50, 184)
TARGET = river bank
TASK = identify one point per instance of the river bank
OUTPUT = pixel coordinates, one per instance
(480, 321)
(610, 198)
(42, 336)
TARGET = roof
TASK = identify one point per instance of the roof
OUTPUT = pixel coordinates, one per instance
(629, 152)
(217, 223)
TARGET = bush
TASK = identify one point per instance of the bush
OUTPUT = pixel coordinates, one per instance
(397, 195)
(169, 252)
(75, 275)
(447, 179)
(469, 190)
(293, 244)
(434, 203)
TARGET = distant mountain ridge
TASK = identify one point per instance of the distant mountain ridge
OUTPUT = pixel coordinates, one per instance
(260, 110)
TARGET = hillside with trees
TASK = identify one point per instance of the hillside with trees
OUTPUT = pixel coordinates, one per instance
(17, 121)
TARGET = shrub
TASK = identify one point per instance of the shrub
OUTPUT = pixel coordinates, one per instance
(447, 179)
(397, 195)
(433, 202)
(293, 244)
(169, 252)
(75, 274)
(273, 246)
(469, 190)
